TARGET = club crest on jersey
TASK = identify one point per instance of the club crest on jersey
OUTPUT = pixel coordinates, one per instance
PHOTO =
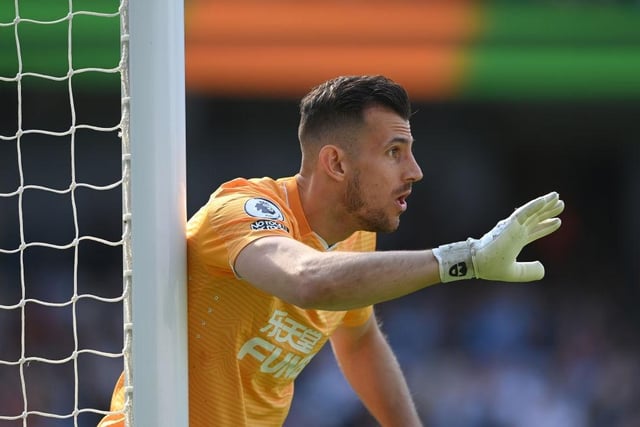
(263, 208)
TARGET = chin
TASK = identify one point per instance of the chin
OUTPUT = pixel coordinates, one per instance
(390, 227)
(379, 222)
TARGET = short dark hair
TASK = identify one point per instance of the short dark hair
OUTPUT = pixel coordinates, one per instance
(343, 99)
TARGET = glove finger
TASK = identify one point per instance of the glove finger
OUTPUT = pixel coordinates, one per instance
(533, 224)
(527, 271)
(552, 209)
(550, 204)
(525, 212)
(544, 228)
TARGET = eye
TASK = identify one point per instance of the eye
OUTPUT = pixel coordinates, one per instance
(394, 152)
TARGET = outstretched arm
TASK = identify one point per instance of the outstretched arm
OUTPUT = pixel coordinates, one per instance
(367, 362)
(309, 278)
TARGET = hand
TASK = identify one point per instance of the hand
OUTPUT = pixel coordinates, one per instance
(493, 257)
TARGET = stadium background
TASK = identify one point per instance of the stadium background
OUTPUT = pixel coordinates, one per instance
(512, 99)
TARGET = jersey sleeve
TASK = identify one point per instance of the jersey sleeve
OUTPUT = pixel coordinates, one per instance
(232, 221)
(357, 317)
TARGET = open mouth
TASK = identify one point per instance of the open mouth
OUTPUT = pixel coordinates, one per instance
(402, 202)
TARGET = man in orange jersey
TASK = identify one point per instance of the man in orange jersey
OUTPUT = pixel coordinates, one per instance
(278, 267)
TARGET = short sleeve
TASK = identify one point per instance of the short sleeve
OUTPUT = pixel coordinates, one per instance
(357, 317)
(234, 220)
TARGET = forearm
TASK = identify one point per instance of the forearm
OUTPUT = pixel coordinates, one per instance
(342, 280)
(375, 375)
(334, 280)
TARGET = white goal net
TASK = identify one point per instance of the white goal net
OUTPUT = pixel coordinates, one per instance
(66, 267)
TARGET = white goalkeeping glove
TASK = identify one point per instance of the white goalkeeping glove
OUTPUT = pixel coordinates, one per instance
(493, 257)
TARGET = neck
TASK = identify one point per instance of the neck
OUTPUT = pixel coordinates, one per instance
(323, 209)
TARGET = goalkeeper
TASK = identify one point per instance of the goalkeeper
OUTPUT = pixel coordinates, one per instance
(278, 267)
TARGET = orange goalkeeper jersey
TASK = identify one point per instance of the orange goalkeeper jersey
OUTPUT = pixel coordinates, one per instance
(246, 347)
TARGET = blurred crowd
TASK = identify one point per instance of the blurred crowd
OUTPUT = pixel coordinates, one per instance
(495, 357)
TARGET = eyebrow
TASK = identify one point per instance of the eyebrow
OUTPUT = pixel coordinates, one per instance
(401, 140)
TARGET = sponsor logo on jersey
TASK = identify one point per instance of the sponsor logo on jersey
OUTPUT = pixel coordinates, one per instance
(284, 347)
(263, 208)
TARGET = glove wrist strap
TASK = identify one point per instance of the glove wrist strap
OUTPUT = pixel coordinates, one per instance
(455, 261)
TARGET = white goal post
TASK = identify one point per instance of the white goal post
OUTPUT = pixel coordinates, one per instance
(57, 168)
(158, 212)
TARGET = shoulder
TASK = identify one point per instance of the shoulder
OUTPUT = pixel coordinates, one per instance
(257, 197)
(248, 184)
(244, 189)
(243, 199)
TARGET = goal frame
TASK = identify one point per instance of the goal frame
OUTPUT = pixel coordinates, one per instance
(157, 375)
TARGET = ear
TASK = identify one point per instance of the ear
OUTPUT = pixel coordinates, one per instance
(332, 161)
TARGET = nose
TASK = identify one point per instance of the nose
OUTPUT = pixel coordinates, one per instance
(414, 173)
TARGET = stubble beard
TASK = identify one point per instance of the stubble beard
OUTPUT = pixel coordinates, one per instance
(367, 218)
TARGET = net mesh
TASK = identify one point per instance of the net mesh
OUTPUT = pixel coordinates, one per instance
(64, 218)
